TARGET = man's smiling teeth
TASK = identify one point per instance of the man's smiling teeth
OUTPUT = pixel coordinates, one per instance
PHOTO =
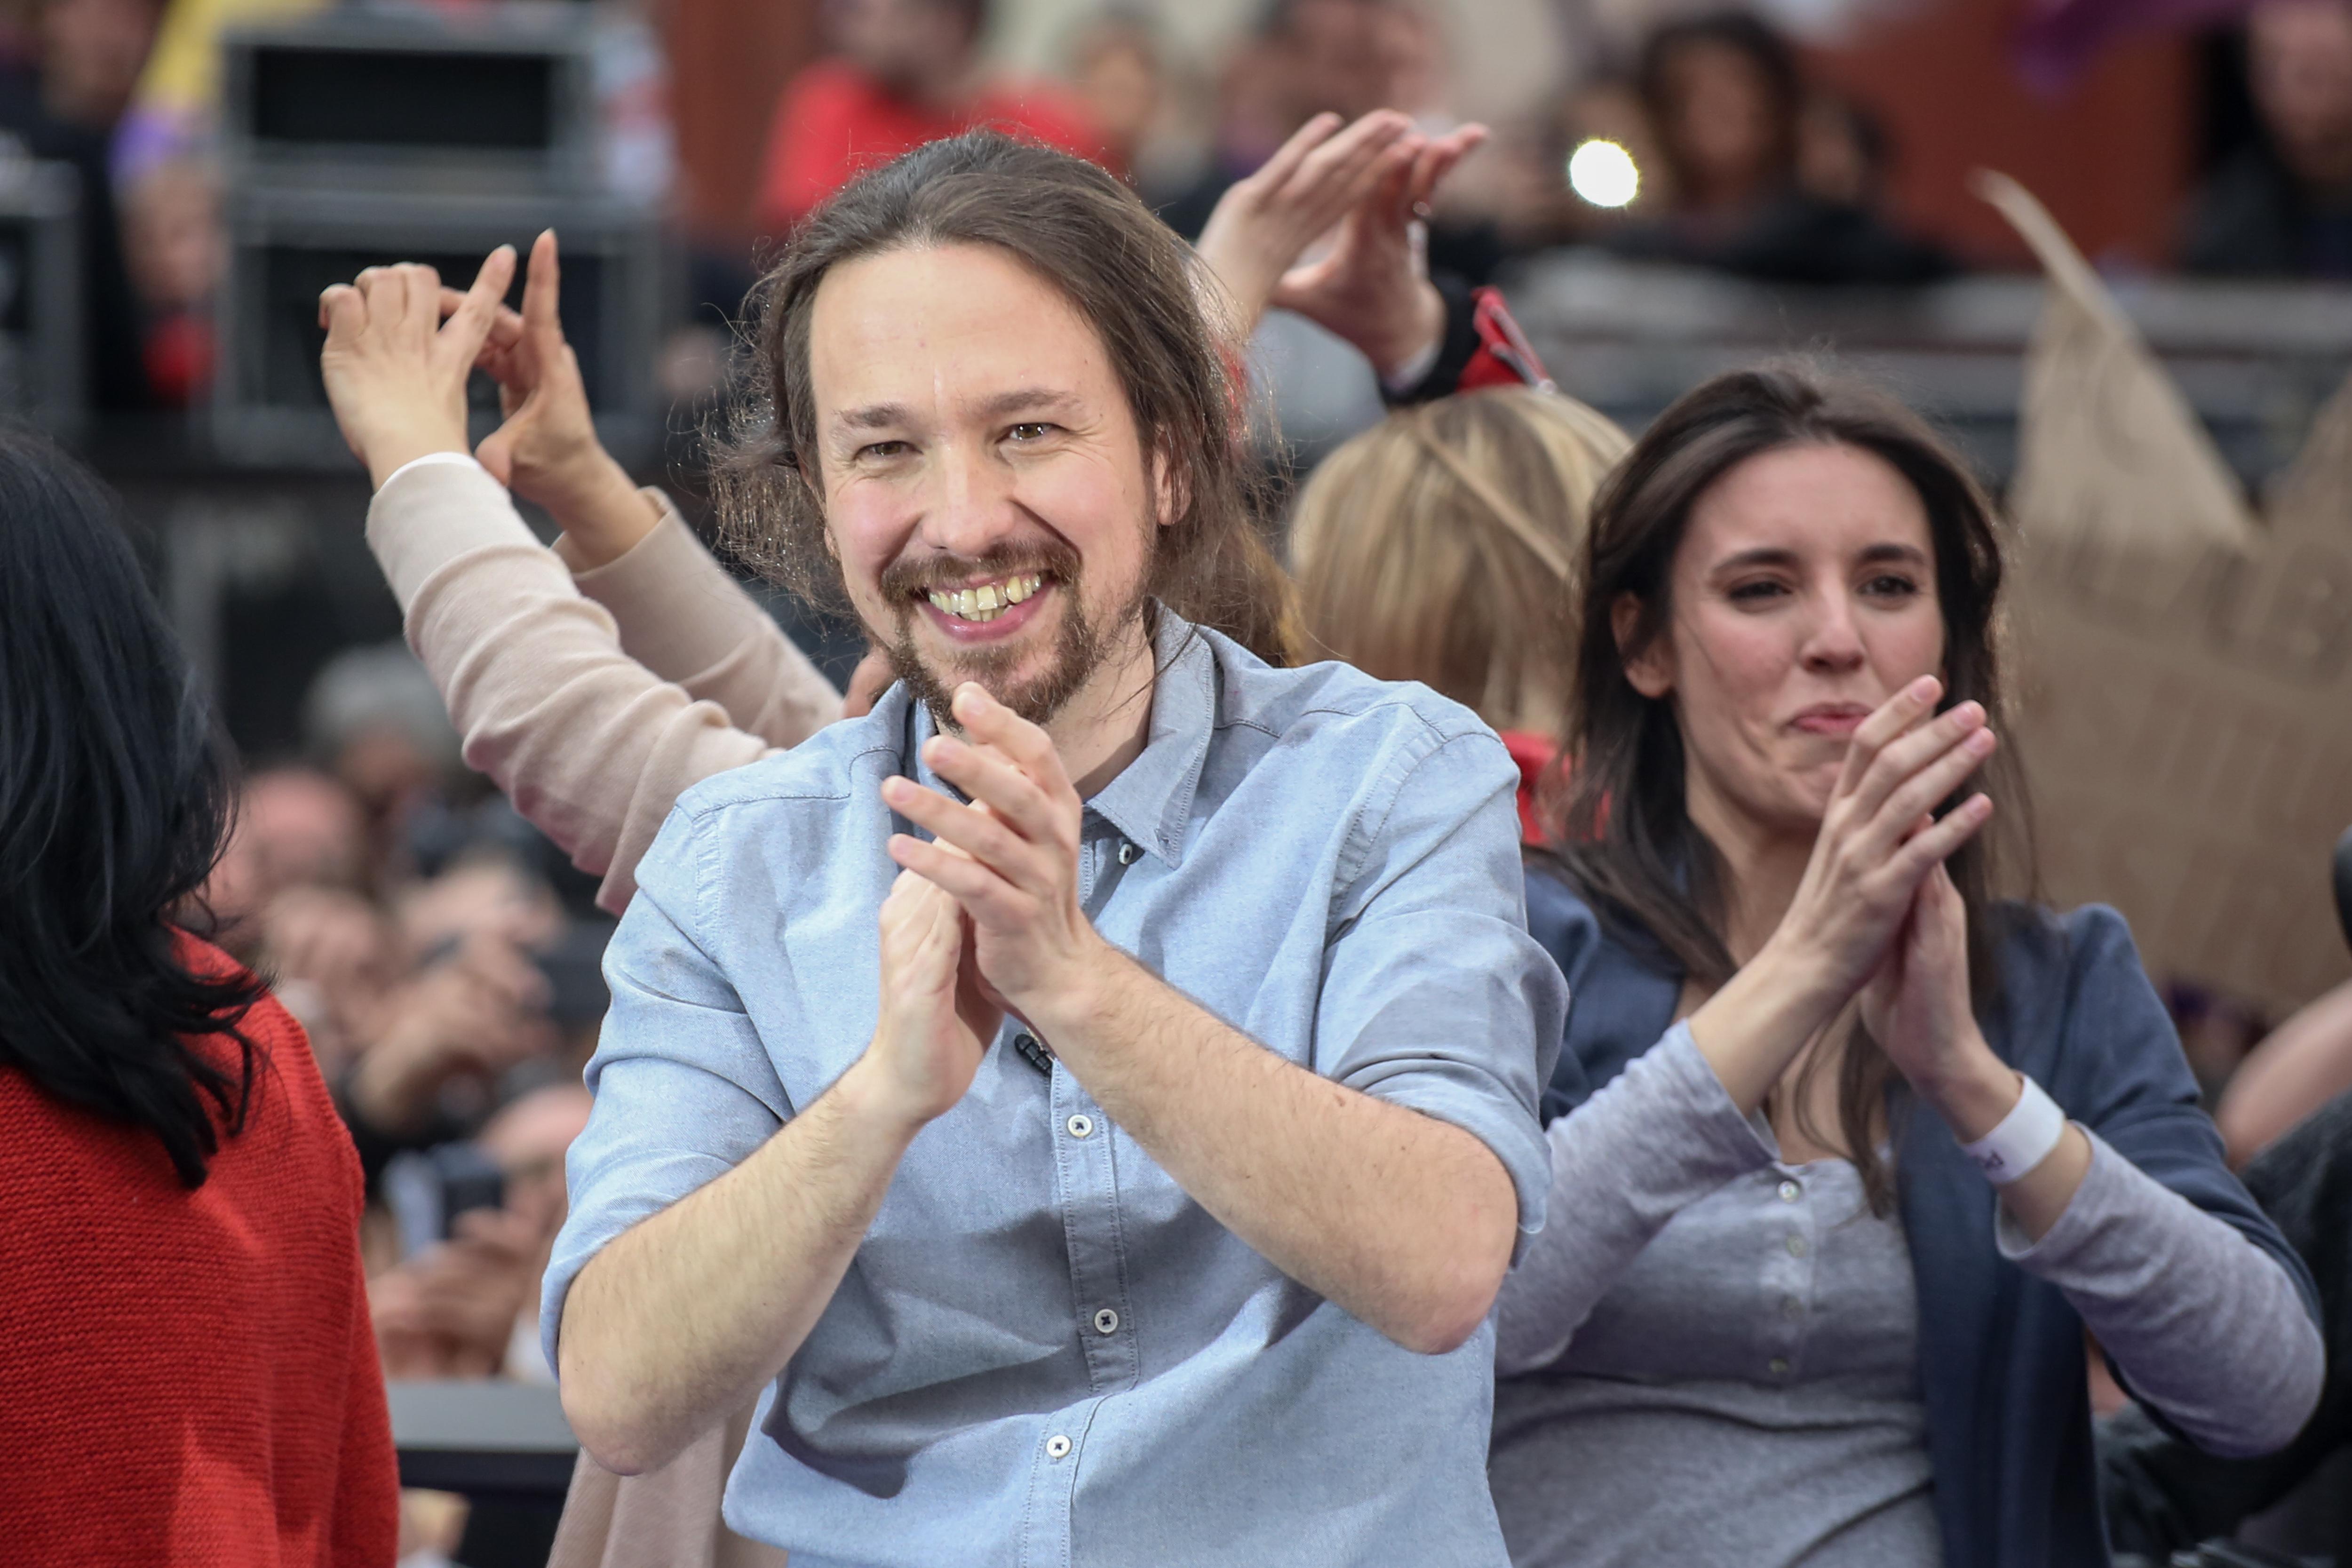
(986, 602)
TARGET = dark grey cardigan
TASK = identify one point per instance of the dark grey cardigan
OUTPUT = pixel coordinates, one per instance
(2001, 1352)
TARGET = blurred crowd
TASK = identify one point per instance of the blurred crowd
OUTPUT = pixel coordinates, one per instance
(444, 958)
(444, 955)
(1718, 145)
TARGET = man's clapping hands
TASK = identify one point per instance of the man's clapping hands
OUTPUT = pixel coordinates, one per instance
(984, 919)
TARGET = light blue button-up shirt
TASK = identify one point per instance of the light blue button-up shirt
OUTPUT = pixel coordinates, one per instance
(1046, 1354)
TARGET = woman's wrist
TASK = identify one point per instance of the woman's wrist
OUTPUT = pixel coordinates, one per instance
(1974, 1092)
(1401, 335)
(387, 455)
(1754, 1026)
(609, 517)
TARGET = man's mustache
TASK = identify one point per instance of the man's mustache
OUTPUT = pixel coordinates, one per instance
(909, 577)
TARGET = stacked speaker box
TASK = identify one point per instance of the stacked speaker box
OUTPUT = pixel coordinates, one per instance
(41, 329)
(356, 138)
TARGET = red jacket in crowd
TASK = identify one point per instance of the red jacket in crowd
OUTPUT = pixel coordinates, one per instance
(835, 122)
(189, 1377)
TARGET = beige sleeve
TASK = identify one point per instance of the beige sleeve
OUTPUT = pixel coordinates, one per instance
(663, 1519)
(683, 617)
(588, 743)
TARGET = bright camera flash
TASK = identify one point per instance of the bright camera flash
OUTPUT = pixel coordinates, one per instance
(1603, 173)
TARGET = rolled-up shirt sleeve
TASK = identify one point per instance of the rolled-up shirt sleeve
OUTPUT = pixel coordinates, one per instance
(1433, 994)
(684, 1088)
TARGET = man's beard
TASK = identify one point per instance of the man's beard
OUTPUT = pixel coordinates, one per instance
(1079, 645)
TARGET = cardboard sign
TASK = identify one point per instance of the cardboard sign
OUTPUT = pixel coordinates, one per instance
(2186, 666)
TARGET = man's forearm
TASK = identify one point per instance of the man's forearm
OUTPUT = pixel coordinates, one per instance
(680, 1316)
(1404, 1221)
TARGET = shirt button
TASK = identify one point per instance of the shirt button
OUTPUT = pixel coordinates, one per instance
(1778, 1366)
(1796, 1247)
(1790, 1192)
(1057, 1446)
(1127, 853)
(1106, 1321)
(1080, 1126)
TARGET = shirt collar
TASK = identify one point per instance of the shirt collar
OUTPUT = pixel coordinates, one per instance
(1150, 801)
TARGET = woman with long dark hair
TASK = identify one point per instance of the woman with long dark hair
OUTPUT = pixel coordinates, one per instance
(188, 1372)
(1846, 1154)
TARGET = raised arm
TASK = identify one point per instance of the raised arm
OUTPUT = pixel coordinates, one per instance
(678, 614)
(1398, 1187)
(1364, 188)
(590, 744)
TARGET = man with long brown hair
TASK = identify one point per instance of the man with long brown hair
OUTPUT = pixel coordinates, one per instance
(1093, 1094)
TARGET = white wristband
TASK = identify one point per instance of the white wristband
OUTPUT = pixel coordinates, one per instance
(426, 461)
(2024, 1138)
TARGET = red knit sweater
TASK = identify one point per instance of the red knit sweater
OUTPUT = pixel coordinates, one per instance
(189, 1377)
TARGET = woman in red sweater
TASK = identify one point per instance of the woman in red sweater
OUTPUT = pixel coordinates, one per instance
(186, 1371)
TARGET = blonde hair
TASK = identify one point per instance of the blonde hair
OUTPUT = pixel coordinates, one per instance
(1442, 546)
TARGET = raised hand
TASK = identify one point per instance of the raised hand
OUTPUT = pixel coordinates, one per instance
(937, 1016)
(395, 375)
(1264, 221)
(450, 1311)
(1877, 843)
(546, 451)
(1372, 286)
(1011, 858)
(1916, 1007)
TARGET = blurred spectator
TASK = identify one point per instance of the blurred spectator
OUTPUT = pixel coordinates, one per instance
(1120, 75)
(1347, 58)
(172, 237)
(903, 72)
(445, 1037)
(294, 827)
(1523, 183)
(2305, 1063)
(372, 718)
(1841, 151)
(1477, 500)
(67, 108)
(1727, 99)
(453, 1310)
(333, 959)
(2282, 205)
(172, 113)
(486, 896)
(1344, 56)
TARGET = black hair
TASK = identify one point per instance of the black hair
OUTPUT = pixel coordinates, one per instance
(115, 796)
(1751, 38)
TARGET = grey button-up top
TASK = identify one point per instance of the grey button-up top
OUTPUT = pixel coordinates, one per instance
(1045, 1353)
